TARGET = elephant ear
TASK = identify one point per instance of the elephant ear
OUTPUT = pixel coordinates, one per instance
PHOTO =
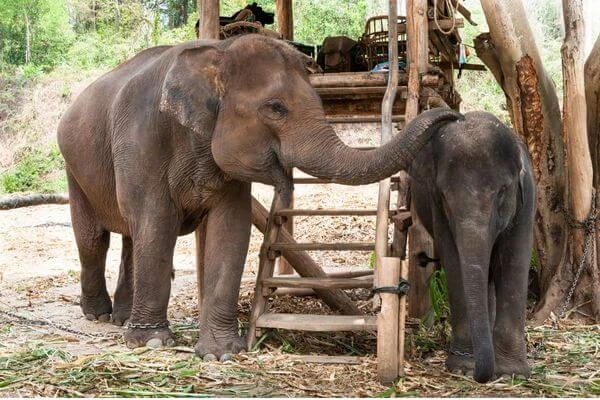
(192, 88)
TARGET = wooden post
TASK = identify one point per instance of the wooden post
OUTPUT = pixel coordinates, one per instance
(285, 19)
(387, 106)
(402, 320)
(285, 26)
(418, 240)
(208, 13)
(387, 322)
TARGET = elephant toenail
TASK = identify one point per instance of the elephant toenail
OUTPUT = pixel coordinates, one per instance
(170, 342)
(131, 344)
(209, 357)
(154, 343)
(225, 357)
(104, 318)
(90, 317)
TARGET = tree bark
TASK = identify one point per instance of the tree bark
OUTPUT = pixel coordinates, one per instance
(510, 52)
(208, 13)
(579, 162)
(418, 239)
(592, 95)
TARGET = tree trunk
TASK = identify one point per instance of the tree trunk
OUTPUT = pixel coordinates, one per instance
(592, 94)
(582, 246)
(510, 52)
(184, 12)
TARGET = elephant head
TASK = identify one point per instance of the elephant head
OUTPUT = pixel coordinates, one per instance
(481, 185)
(251, 95)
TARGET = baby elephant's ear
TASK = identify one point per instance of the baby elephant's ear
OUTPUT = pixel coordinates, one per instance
(192, 88)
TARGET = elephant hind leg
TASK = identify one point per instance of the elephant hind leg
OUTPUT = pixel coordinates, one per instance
(123, 299)
(92, 243)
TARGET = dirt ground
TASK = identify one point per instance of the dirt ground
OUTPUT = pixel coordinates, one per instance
(40, 280)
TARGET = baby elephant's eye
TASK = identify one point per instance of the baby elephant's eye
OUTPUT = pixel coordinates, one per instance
(274, 109)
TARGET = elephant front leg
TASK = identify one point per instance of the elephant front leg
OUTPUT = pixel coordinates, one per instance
(227, 238)
(510, 268)
(460, 354)
(154, 240)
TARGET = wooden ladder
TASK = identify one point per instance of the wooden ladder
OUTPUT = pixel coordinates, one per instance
(274, 247)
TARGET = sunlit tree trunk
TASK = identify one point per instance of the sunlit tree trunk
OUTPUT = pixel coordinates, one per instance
(592, 95)
(582, 244)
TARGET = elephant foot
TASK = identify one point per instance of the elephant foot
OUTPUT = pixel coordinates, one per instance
(221, 346)
(507, 367)
(121, 315)
(459, 362)
(96, 308)
(154, 337)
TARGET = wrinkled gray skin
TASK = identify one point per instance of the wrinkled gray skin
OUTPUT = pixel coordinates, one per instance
(175, 136)
(473, 190)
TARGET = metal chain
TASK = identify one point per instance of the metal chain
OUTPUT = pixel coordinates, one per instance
(24, 320)
(460, 353)
(157, 325)
(589, 226)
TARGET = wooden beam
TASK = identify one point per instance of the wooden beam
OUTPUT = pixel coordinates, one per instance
(418, 300)
(293, 246)
(208, 13)
(319, 283)
(318, 323)
(285, 19)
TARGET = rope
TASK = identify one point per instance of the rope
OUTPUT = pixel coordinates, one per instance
(452, 16)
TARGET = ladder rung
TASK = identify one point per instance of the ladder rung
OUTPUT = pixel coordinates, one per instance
(319, 283)
(357, 246)
(312, 180)
(286, 212)
(318, 323)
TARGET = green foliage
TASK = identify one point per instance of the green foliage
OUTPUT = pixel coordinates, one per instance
(314, 20)
(438, 295)
(32, 170)
(34, 31)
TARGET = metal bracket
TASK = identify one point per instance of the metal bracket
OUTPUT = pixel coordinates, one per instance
(401, 290)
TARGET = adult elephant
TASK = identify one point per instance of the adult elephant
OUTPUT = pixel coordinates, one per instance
(174, 136)
(473, 190)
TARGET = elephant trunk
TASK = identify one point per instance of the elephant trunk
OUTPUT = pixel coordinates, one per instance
(321, 153)
(474, 253)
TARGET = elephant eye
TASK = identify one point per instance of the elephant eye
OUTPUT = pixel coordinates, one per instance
(274, 109)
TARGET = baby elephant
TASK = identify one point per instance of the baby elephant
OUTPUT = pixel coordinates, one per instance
(473, 190)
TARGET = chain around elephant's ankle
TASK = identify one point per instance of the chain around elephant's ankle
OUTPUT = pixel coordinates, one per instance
(157, 325)
(460, 353)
